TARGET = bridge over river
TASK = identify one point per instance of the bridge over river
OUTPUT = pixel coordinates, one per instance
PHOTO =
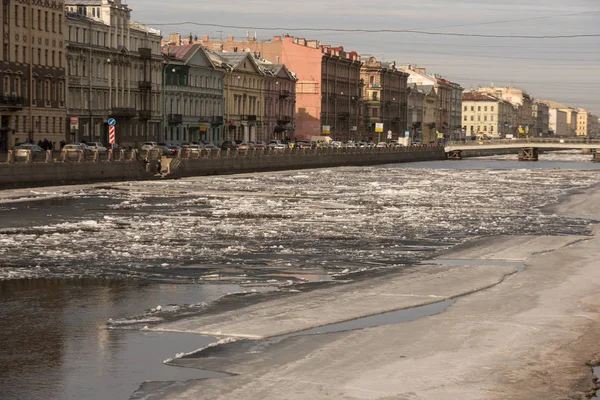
(527, 149)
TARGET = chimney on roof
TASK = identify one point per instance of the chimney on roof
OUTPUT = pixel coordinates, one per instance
(205, 38)
(277, 38)
(230, 38)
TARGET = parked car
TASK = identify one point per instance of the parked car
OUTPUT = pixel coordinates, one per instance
(210, 146)
(173, 149)
(228, 144)
(97, 146)
(192, 148)
(148, 145)
(382, 144)
(276, 145)
(304, 145)
(23, 150)
(260, 145)
(73, 149)
(243, 146)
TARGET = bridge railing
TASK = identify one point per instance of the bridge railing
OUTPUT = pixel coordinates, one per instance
(479, 142)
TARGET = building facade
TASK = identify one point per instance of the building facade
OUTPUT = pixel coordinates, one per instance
(328, 87)
(449, 96)
(541, 119)
(33, 76)
(485, 115)
(587, 123)
(244, 95)
(114, 71)
(279, 112)
(521, 100)
(415, 113)
(558, 122)
(194, 96)
(384, 98)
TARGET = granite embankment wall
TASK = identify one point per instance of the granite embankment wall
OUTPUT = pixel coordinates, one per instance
(132, 167)
(320, 158)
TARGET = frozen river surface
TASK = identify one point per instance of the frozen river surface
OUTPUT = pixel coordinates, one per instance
(316, 223)
(77, 260)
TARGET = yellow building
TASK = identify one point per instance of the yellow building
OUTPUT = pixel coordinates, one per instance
(244, 95)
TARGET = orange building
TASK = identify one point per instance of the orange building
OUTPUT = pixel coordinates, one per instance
(328, 89)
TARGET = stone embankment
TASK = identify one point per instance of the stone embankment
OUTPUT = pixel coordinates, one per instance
(56, 168)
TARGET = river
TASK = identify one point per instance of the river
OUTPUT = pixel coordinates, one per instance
(84, 268)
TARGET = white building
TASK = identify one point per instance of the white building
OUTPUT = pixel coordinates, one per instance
(558, 122)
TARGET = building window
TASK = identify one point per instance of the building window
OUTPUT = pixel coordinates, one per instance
(465, 108)
(46, 20)
(472, 108)
(492, 108)
(485, 108)
(39, 20)
(16, 53)
(53, 22)
(24, 54)
(16, 15)
(478, 108)
(60, 23)
(24, 16)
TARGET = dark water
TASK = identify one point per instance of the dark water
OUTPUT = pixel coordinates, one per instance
(55, 343)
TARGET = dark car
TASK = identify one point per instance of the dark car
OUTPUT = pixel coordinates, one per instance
(228, 144)
(173, 149)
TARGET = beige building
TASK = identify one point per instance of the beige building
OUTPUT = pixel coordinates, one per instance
(587, 123)
(244, 95)
(114, 70)
(521, 100)
(487, 115)
(32, 97)
(193, 93)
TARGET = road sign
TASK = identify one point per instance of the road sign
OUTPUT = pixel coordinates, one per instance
(406, 133)
(379, 127)
(112, 122)
(111, 134)
(326, 129)
(74, 122)
(389, 135)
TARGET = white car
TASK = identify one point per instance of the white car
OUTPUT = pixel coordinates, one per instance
(97, 146)
(148, 145)
(276, 144)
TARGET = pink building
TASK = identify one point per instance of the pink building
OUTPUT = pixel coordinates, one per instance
(328, 86)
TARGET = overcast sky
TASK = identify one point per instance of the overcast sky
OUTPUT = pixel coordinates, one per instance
(565, 70)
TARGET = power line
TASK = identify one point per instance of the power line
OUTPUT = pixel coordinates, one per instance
(413, 31)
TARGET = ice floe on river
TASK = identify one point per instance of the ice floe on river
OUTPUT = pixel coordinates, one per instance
(246, 227)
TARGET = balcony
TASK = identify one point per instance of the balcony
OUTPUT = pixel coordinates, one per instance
(343, 115)
(284, 120)
(283, 94)
(11, 102)
(74, 80)
(216, 120)
(145, 114)
(249, 118)
(145, 85)
(145, 53)
(123, 112)
(175, 119)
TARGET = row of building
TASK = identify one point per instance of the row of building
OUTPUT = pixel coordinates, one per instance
(70, 68)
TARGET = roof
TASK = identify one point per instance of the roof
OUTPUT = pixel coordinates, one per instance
(555, 104)
(479, 96)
